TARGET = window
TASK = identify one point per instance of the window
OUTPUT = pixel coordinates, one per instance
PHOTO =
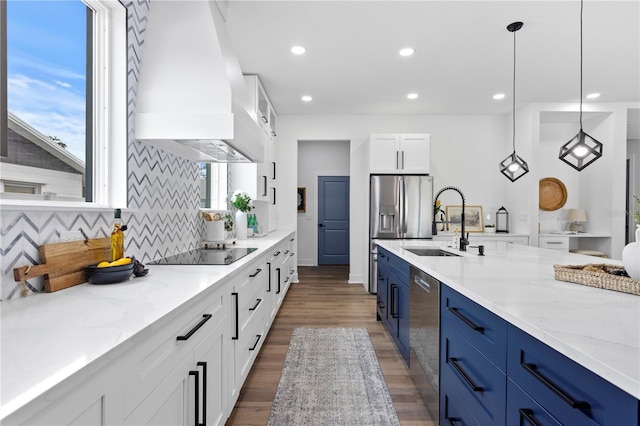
(63, 112)
(213, 186)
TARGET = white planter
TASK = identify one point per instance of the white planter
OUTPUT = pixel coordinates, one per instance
(631, 257)
(215, 231)
(489, 230)
(241, 225)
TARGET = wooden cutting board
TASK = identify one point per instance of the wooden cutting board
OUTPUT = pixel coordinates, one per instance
(63, 264)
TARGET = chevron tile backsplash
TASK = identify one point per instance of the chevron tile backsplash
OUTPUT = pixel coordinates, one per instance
(163, 214)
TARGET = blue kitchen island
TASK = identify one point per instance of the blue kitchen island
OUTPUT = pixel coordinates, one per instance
(518, 347)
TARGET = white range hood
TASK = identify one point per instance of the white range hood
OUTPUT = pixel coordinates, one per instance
(192, 99)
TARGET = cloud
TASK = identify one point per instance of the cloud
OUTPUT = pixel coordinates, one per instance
(62, 83)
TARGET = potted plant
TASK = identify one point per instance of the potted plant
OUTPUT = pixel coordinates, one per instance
(490, 229)
(242, 202)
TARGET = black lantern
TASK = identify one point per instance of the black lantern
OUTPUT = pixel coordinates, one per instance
(502, 220)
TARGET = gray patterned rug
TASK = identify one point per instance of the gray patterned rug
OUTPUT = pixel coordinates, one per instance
(331, 376)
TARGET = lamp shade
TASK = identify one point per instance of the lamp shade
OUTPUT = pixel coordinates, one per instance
(576, 215)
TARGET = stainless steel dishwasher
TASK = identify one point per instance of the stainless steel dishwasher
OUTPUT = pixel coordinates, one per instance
(424, 341)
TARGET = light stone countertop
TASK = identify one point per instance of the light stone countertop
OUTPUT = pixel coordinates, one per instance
(599, 329)
(46, 338)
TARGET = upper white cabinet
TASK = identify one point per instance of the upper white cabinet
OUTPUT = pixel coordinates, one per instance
(399, 153)
(265, 112)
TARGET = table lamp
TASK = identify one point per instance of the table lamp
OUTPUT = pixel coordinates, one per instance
(576, 216)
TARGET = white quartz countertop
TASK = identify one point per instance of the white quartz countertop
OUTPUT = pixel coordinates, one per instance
(47, 337)
(599, 329)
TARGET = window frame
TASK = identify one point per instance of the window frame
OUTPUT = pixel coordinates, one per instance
(109, 113)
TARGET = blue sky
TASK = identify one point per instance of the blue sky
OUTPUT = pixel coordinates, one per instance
(46, 67)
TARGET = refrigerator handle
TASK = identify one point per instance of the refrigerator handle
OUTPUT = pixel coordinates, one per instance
(404, 204)
(401, 206)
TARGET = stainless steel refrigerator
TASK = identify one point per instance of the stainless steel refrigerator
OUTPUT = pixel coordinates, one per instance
(400, 207)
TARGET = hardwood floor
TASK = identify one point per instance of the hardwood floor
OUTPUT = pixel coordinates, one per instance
(323, 298)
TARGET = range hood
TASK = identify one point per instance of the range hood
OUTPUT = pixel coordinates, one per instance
(192, 99)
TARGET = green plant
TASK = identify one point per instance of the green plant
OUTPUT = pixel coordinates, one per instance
(489, 226)
(228, 222)
(241, 201)
(636, 214)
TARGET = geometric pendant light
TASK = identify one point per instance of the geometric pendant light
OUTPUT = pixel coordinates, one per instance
(582, 149)
(514, 167)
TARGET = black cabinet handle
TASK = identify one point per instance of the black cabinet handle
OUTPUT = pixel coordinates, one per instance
(278, 271)
(258, 301)
(265, 119)
(292, 239)
(205, 318)
(204, 392)
(381, 255)
(196, 375)
(269, 285)
(253, 348)
(273, 134)
(286, 252)
(533, 370)
(274, 197)
(465, 376)
(276, 253)
(321, 225)
(273, 170)
(255, 273)
(237, 318)
(265, 190)
(466, 320)
(394, 312)
(527, 414)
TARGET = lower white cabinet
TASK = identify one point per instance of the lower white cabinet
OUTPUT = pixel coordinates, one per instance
(186, 368)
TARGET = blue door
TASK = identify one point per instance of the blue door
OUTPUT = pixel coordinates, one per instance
(333, 220)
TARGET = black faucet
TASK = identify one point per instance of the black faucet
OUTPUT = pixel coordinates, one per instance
(464, 242)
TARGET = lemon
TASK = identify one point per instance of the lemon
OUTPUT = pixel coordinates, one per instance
(121, 261)
(103, 264)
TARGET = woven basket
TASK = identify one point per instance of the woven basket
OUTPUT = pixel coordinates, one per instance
(604, 279)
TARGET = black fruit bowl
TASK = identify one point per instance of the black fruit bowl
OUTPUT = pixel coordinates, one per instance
(109, 274)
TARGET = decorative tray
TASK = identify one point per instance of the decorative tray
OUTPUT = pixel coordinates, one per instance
(598, 275)
(552, 194)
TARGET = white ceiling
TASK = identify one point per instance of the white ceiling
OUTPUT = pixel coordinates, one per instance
(464, 53)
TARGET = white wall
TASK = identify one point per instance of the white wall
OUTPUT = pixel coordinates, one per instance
(465, 152)
(633, 154)
(316, 158)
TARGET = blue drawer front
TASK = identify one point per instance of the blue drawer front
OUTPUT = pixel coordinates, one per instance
(463, 368)
(531, 363)
(523, 410)
(400, 267)
(455, 413)
(485, 330)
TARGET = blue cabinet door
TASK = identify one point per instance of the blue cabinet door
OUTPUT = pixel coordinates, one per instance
(403, 320)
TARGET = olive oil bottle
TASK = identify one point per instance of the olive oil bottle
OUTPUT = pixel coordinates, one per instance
(117, 236)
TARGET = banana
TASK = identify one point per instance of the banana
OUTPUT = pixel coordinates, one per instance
(121, 261)
(104, 264)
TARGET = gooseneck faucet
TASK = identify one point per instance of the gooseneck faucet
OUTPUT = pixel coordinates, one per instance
(464, 242)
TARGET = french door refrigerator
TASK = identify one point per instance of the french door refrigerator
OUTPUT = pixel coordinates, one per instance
(400, 207)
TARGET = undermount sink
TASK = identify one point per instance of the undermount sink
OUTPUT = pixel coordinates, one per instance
(430, 252)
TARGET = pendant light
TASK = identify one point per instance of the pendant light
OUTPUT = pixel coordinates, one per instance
(514, 167)
(582, 149)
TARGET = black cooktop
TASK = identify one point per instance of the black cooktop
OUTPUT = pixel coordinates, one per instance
(205, 257)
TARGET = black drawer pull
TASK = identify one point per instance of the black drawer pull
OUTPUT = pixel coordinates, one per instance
(269, 285)
(277, 253)
(196, 375)
(253, 348)
(258, 301)
(237, 318)
(465, 377)
(256, 273)
(532, 369)
(286, 252)
(286, 280)
(527, 414)
(204, 391)
(466, 320)
(394, 313)
(293, 239)
(279, 280)
(205, 318)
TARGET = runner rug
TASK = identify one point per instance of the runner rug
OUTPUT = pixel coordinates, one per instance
(331, 376)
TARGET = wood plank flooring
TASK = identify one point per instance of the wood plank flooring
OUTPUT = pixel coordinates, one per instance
(323, 298)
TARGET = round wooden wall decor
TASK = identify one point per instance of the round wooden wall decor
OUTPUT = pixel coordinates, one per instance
(553, 194)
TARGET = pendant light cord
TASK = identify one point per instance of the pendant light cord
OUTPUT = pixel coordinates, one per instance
(581, 8)
(514, 91)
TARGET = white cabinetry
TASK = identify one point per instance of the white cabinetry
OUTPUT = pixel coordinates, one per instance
(399, 153)
(593, 243)
(248, 325)
(475, 238)
(178, 375)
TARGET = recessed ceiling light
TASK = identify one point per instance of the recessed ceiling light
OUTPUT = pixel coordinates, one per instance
(298, 50)
(498, 96)
(593, 95)
(412, 96)
(307, 98)
(407, 51)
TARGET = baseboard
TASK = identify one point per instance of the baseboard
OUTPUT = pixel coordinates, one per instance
(306, 262)
(355, 279)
